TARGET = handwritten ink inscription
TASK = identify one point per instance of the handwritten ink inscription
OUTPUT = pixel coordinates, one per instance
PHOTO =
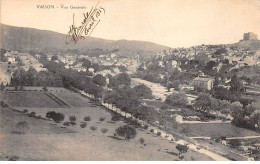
(90, 21)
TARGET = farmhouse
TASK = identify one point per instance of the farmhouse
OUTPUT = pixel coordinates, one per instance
(203, 82)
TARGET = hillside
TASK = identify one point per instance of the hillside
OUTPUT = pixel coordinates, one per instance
(248, 44)
(20, 38)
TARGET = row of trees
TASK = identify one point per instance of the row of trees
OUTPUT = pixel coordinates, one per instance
(58, 76)
(34, 78)
(126, 98)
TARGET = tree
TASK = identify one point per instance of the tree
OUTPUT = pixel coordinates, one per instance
(220, 92)
(178, 99)
(235, 84)
(99, 80)
(94, 89)
(21, 87)
(2, 87)
(20, 76)
(45, 89)
(124, 79)
(255, 118)
(205, 102)
(54, 58)
(126, 99)
(143, 91)
(113, 83)
(57, 117)
(210, 65)
(31, 75)
(96, 67)
(223, 106)
(174, 84)
(182, 149)
(236, 109)
(226, 61)
(86, 63)
(250, 108)
(72, 118)
(22, 126)
(2, 104)
(237, 113)
(122, 68)
(141, 139)
(216, 82)
(3, 58)
(126, 131)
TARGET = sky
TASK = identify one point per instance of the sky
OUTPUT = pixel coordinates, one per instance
(174, 23)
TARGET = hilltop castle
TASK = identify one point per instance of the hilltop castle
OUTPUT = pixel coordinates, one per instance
(249, 36)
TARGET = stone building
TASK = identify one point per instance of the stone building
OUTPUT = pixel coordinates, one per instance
(203, 82)
(249, 36)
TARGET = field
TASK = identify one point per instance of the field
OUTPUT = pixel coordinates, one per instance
(28, 99)
(70, 97)
(218, 130)
(54, 141)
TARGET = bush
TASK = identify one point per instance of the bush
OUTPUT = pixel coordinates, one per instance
(104, 130)
(22, 125)
(72, 118)
(38, 117)
(126, 131)
(32, 114)
(102, 119)
(69, 123)
(72, 123)
(182, 149)
(83, 124)
(57, 117)
(87, 118)
(223, 137)
(141, 140)
(3, 104)
(93, 128)
(145, 126)
(115, 117)
(66, 123)
(151, 130)
(235, 143)
(134, 123)
(25, 111)
(158, 133)
(13, 158)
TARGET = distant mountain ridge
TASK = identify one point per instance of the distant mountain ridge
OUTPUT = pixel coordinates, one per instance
(21, 38)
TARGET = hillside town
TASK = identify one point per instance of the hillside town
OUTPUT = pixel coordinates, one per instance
(173, 94)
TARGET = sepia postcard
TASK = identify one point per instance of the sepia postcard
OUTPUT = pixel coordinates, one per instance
(130, 80)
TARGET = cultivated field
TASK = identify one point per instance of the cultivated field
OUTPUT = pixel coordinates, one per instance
(28, 99)
(70, 97)
(218, 130)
